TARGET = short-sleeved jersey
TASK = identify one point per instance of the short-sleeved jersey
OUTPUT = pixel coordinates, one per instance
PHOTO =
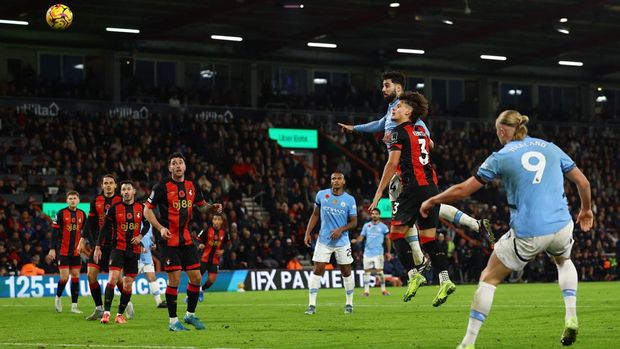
(68, 226)
(147, 242)
(213, 240)
(96, 216)
(123, 223)
(532, 171)
(374, 234)
(415, 167)
(175, 201)
(335, 213)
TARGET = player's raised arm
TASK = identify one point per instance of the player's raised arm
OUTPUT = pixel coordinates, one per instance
(370, 127)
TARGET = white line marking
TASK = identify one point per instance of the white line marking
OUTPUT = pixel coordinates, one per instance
(69, 345)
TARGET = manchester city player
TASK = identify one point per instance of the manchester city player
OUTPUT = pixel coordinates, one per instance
(375, 232)
(533, 172)
(338, 214)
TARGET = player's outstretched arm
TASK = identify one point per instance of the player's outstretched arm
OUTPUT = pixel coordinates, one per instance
(371, 127)
(314, 218)
(454, 193)
(585, 217)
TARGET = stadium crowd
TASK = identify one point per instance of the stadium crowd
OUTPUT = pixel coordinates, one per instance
(233, 161)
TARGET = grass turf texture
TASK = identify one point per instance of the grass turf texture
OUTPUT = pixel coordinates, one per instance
(523, 316)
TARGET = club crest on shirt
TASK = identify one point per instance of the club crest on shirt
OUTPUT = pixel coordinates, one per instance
(343, 204)
(190, 192)
(138, 215)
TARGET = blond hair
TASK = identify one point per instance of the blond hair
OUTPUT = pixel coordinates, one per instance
(514, 119)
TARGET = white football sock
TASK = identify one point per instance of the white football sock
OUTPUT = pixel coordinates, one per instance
(174, 320)
(443, 276)
(567, 278)
(366, 281)
(314, 285)
(480, 308)
(453, 215)
(413, 240)
(382, 280)
(154, 288)
(349, 285)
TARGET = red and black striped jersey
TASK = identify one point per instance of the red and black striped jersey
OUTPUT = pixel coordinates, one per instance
(66, 231)
(213, 240)
(123, 222)
(415, 167)
(175, 201)
(96, 216)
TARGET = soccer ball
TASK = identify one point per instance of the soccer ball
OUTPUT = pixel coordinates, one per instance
(59, 17)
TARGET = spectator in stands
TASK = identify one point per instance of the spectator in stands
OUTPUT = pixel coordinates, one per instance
(32, 268)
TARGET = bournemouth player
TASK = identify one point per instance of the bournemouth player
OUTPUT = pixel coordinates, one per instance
(375, 232)
(66, 230)
(96, 217)
(393, 87)
(124, 228)
(176, 198)
(210, 241)
(409, 157)
(146, 266)
(338, 214)
(533, 172)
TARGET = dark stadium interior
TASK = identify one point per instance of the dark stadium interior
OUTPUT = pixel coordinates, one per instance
(271, 79)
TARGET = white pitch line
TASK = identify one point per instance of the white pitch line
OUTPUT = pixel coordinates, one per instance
(69, 345)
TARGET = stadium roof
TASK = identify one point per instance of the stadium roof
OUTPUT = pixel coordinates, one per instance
(532, 35)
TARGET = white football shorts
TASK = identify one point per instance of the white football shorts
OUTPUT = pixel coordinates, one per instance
(322, 253)
(515, 252)
(374, 262)
(145, 268)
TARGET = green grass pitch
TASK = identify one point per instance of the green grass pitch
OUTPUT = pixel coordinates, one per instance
(523, 316)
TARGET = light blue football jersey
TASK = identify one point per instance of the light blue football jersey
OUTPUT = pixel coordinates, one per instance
(335, 213)
(147, 242)
(532, 171)
(386, 124)
(374, 234)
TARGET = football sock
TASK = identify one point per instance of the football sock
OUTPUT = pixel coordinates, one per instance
(171, 300)
(403, 251)
(154, 288)
(412, 238)
(75, 289)
(366, 281)
(438, 256)
(382, 280)
(206, 285)
(314, 285)
(61, 287)
(95, 292)
(349, 286)
(192, 297)
(125, 297)
(567, 279)
(108, 297)
(480, 308)
(453, 215)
